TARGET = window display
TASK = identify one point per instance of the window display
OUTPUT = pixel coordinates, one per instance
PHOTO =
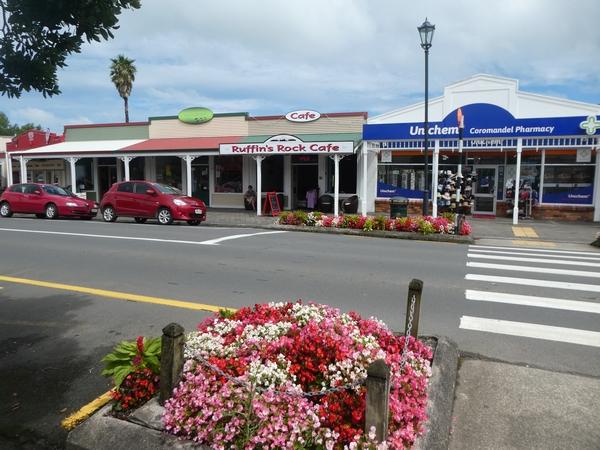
(568, 184)
(228, 174)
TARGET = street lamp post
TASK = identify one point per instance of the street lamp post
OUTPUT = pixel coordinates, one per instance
(426, 33)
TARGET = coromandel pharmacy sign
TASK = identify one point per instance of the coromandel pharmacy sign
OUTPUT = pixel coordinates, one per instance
(483, 120)
(285, 144)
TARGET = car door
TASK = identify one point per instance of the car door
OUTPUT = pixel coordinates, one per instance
(145, 203)
(32, 199)
(124, 202)
(16, 197)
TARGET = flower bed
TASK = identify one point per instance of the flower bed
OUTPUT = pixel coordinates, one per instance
(290, 376)
(417, 224)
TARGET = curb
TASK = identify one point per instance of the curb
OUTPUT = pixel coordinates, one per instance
(380, 234)
(440, 403)
(143, 427)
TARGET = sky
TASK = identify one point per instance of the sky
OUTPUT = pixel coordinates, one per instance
(269, 57)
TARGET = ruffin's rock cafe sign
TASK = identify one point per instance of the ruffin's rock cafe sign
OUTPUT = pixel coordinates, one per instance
(285, 144)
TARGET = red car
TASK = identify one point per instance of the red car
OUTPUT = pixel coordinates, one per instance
(45, 200)
(145, 200)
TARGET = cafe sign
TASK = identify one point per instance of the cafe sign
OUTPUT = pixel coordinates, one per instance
(285, 144)
(305, 115)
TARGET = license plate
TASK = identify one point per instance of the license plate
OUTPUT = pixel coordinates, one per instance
(197, 211)
(94, 210)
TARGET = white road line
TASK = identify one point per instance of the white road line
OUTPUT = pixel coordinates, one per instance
(531, 330)
(238, 236)
(523, 253)
(529, 249)
(132, 238)
(533, 282)
(529, 300)
(575, 273)
(535, 260)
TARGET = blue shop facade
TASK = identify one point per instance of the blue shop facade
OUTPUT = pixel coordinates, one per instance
(525, 155)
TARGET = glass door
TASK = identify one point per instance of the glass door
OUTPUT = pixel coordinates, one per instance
(484, 190)
(200, 186)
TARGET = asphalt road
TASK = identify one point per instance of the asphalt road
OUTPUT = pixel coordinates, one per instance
(52, 340)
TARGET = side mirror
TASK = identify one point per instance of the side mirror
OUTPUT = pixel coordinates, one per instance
(150, 192)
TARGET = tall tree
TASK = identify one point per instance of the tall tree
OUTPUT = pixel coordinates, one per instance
(122, 74)
(37, 36)
(8, 129)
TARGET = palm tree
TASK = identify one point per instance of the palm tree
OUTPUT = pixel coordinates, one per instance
(122, 74)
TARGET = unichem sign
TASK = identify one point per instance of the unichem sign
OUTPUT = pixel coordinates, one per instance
(285, 144)
(483, 120)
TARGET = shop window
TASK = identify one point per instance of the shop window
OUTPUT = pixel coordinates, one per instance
(136, 168)
(84, 175)
(272, 174)
(168, 170)
(406, 180)
(563, 157)
(568, 184)
(228, 173)
(347, 183)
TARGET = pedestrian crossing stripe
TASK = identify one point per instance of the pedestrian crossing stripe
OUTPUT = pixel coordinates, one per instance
(527, 252)
(508, 267)
(531, 330)
(529, 300)
(524, 232)
(534, 282)
(569, 252)
(534, 260)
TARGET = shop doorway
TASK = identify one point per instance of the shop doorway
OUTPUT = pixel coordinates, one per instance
(200, 186)
(305, 177)
(107, 176)
(484, 190)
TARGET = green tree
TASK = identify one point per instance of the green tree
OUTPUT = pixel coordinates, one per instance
(8, 129)
(37, 36)
(122, 74)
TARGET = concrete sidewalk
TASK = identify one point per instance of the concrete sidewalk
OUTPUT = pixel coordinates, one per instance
(505, 406)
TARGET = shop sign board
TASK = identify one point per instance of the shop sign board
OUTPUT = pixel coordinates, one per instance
(50, 164)
(285, 144)
(304, 115)
(484, 121)
(195, 115)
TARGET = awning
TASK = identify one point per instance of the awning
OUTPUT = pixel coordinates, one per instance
(170, 144)
(75, 148)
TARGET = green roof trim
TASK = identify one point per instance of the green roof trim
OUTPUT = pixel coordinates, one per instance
(320, 137)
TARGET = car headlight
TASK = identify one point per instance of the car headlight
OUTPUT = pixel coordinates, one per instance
(179, 202)
(71, 204)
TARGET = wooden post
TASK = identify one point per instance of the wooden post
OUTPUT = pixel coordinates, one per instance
(378, 397)
(171, 360)
(414, 288)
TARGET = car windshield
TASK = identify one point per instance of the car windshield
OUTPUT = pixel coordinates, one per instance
(167, 189)
(56, 190)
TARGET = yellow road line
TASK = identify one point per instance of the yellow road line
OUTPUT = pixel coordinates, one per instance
(526, 243)
(117, 295)
(84, 412)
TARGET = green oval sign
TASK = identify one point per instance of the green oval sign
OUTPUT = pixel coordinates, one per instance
(195, 115)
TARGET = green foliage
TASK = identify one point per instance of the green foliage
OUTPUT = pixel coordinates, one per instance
(301, 217)
(37, 36)
(226, 313)
(8, 129)
(450, 216)
(122, 74)
(426, 227)
(129, 356)
(368, 225)
(379, 223)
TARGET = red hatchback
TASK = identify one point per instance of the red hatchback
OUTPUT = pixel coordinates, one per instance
(44, 200)
(145, 200)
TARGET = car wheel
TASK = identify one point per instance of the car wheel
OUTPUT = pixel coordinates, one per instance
(193, 222)
(164, 216)
(108, 214)
(140, 219)
(51, 211)
(5, 210)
